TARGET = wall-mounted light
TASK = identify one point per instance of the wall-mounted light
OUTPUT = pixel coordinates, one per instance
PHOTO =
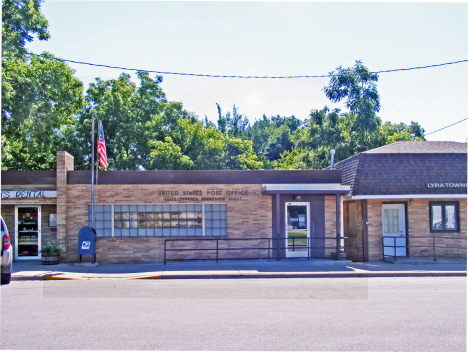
(297, 197)
(411, 201)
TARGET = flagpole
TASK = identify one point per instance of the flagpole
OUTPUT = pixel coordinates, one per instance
(92, 172)
(97, 163)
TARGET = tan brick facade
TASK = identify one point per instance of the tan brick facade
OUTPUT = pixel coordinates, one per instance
(65, 163)
(330, 225)
(248, 216)
(418, 224)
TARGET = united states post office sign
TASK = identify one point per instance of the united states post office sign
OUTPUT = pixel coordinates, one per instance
(29, 194)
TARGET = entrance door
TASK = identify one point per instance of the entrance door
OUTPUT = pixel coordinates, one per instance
(394, 228)
(297, 229)
(28, 232)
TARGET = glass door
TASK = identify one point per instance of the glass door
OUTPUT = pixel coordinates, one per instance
(297, 229)
(28, 232)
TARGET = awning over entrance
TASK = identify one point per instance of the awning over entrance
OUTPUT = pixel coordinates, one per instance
(306, 188)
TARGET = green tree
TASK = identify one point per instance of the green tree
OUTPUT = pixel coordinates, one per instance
(357, 85)
(391, 133)
(39, 93)
(37, 111)
(273, 136)
(21, 21)
(235, 125)
(167, 156)
(132, 117)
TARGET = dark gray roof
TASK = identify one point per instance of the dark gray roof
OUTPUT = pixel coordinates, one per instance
(420, 147)
(207, 177)
(39, 177)
(389, 170)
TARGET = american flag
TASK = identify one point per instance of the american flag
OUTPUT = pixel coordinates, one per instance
(101, 147)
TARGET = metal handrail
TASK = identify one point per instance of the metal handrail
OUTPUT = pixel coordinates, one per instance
(407, 246)
(269, 249)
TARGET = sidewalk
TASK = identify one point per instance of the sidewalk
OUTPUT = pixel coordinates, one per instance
(296, 268)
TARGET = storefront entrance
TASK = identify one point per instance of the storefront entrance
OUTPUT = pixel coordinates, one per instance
(27, 232)
(297, 229)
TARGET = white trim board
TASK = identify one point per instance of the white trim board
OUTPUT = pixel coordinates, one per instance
(409, 196)
(305, 187)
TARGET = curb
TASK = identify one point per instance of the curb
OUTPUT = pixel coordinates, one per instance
(254, 276)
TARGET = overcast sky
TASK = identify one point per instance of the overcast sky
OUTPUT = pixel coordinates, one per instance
(274, 39)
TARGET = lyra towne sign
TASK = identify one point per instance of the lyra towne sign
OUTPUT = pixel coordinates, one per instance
(446, 185)
(29, 194)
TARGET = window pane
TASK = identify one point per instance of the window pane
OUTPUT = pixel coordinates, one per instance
(141, 216)
(133, 216)
(134, 224)
(166, 223)
(118, 224)
(125, 224)
(166, 216)
(437, 217)
(174, 215)
(150, 223)
(117, 216)
(142, 224)
(158, 224)
(150, 216)
(450, 219)
(125, 216)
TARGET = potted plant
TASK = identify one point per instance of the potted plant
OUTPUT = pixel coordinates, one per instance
(50, 253)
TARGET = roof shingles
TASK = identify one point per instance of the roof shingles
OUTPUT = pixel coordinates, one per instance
(390, 171)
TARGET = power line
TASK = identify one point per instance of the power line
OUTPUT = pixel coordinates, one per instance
(443, 128)
(234, 76)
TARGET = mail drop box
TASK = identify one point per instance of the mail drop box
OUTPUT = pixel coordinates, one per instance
(87, 242)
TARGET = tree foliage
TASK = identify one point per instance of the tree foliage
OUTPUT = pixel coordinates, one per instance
(39, 93)
(21, 21)
(44, 110)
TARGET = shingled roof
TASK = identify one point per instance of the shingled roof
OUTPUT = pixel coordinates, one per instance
(406, 168)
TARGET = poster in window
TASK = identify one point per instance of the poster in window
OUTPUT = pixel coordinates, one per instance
(52, 220)
(437, 217)
(450, 221)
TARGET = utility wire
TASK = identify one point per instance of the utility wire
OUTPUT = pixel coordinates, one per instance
(443, 128)
(233, 76)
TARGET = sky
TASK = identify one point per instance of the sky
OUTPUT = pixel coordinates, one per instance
(275, 39)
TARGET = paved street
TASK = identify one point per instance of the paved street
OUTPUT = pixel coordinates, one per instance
(333, 314)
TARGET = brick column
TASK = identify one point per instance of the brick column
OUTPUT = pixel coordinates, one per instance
(64, 163)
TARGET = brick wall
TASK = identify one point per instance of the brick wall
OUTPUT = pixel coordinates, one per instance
(418, 225)
(65, 163)
(330, 225)
(48, 233)
(248, 217)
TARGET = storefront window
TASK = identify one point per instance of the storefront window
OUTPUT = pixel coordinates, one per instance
(161, 220)
(444, 216)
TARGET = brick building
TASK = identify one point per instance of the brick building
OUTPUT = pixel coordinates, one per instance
(406, 198)
(397, 200)
(137, 211)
